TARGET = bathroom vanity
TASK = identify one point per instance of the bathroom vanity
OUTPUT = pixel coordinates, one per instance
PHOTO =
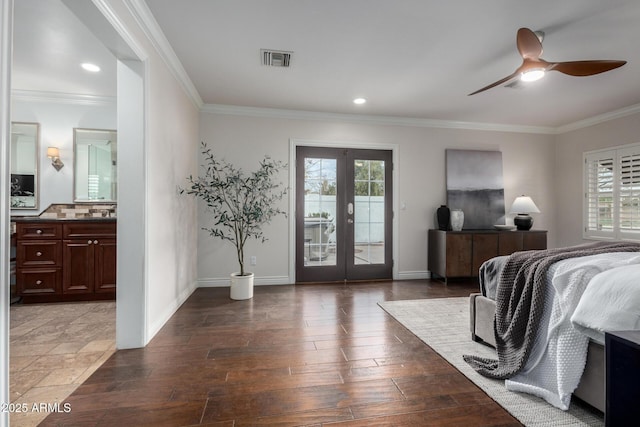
(72, 259)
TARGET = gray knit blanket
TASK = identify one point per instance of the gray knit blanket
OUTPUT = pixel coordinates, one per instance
(520, 303)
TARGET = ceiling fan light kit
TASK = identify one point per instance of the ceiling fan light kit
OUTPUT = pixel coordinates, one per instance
(532, 75)
(534, 68)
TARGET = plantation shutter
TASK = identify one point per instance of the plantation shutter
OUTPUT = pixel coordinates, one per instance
(612, 194)
(629, 192)
(599, 194)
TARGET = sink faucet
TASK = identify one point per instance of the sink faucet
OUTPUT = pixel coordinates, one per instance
(107, 212)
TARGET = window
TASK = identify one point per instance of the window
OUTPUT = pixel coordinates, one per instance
(612, 193)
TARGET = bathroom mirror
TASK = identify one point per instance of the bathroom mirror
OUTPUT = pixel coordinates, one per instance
(94, 165)
(24, 165)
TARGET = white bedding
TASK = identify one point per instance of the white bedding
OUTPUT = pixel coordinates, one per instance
(559, 354)
(611, 302)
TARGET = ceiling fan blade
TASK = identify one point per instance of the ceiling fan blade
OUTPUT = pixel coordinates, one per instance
(499, 82)
(528, 44)
(586, 68)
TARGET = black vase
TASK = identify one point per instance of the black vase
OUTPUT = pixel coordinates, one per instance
(444, 217)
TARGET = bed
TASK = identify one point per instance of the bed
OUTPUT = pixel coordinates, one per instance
(546, 313)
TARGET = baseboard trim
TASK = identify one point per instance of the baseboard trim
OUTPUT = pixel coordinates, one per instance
(214, 282)
(171, 310)
(414, 275)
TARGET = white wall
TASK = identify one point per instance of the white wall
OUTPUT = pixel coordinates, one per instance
(527, 160)
(57, 120)
(169, 154)
(568, 163)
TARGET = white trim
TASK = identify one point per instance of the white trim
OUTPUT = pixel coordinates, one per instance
(295, 142)
(612, 115)
(369, 119)
(152, 30)
(6, 30)
(614, 147)
(235, 110)
(107, 11)
(414, 275)
(169, 311)
(216, 282)
(132, 299)
(62, 98)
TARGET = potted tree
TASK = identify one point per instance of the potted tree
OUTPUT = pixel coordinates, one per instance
(240, 205)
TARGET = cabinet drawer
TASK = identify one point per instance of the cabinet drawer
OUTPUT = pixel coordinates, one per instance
(35, 281)
(39, 230)
(85, 230)
(39, 253)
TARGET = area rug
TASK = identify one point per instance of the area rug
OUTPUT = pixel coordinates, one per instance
(443, 324)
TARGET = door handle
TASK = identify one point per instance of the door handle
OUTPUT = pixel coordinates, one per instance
(350, 209)
(349, 221)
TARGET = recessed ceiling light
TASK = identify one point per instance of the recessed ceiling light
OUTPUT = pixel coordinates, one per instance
(359, 101)
(90, 67)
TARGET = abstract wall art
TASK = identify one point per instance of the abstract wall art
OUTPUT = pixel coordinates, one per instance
(474, 185)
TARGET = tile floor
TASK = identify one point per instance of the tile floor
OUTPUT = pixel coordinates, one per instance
(53, 349)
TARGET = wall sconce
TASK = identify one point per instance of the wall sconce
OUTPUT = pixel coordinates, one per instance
(54, 154)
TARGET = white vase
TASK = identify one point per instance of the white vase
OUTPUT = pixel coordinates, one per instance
(241, 286)
(457, 219)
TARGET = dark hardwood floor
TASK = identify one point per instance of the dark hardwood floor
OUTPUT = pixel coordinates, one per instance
(307, 355)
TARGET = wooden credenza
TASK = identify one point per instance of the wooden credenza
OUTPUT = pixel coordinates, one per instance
(72, 260)
(460, 253)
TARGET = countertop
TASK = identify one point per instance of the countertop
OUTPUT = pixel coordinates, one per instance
(40, 219)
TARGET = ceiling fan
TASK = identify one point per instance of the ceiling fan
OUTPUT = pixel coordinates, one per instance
(533, 67)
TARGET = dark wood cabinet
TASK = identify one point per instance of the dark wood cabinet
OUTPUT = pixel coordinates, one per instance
(485, 246)
(89, 266)
(622, 361)
(104, 266)
(66, 261)
(460, 253)
(38, 259)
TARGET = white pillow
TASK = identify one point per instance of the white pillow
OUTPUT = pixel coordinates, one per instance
(611, 302)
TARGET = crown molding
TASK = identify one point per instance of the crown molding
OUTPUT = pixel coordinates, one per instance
(369, 119)
(152, 30)
(612, 115)
(120, 28)
(63, 98)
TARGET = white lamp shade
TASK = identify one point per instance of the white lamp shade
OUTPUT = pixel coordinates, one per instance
(53, 152)
(524, 205)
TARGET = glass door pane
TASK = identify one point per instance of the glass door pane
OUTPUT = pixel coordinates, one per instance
(369, 212)
(320, 206)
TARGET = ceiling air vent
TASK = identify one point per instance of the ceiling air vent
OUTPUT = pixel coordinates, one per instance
(275, 58)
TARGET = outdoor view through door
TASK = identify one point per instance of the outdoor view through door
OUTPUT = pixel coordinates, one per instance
(343, 214)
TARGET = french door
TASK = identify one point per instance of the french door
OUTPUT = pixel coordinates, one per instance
(343, 214)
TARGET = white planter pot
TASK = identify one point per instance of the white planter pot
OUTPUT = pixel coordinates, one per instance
(241, 286)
